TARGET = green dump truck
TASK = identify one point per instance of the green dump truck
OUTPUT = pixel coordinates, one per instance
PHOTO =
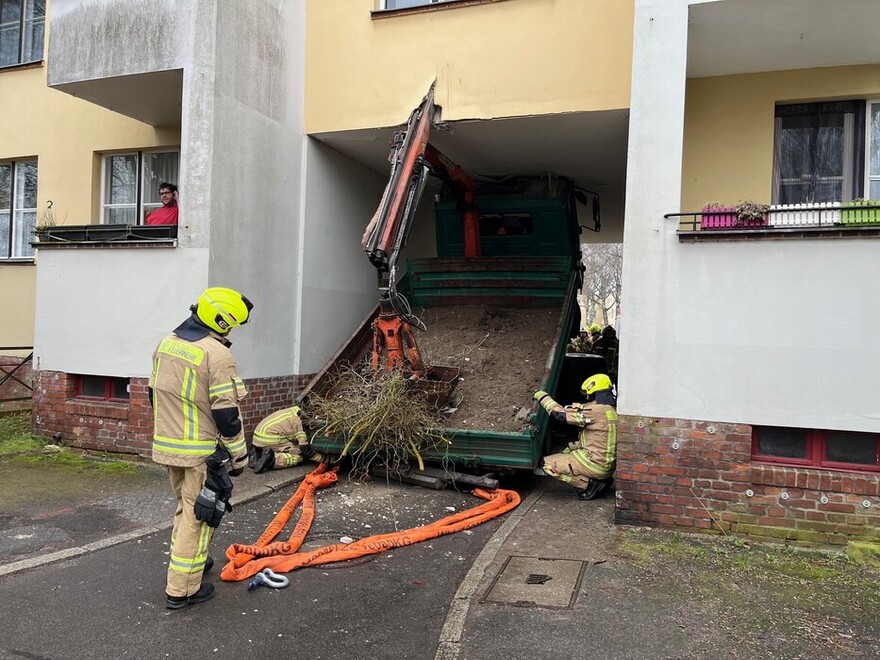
(511, 242)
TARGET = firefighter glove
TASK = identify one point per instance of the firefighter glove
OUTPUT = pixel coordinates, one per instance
(209, 508)
(306, 451)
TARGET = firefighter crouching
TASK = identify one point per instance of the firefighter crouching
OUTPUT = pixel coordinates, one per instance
(588, 463)
(283, 442)
(195, 390)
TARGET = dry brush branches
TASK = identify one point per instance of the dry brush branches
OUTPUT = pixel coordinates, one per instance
(378, 418)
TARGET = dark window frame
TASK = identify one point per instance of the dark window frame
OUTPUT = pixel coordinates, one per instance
(816, 453)
(109, 384)
(38, 17)
(816, 119)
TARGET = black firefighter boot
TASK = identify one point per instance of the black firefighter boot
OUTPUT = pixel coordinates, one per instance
(205, 592)
(265, 462)
(596, 489)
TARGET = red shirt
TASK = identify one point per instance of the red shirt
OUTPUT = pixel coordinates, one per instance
(164, 215)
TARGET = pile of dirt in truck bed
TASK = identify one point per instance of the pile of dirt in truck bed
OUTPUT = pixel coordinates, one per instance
(502, 353)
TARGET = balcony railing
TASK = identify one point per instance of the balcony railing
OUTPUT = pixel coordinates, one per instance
(860, 217)
(105, 235)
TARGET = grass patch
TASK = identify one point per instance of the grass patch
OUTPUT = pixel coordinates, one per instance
(66, 460)
(18, 446)
(15, 435)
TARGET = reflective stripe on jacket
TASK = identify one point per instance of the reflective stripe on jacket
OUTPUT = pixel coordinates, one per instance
(189, 379)
(596, 448)
(281, 426)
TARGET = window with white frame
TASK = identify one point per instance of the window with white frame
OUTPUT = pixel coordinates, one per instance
(18, 208)
(22, 27)
(819, 152)
(874, 150)
(130, 190)
(405, 4)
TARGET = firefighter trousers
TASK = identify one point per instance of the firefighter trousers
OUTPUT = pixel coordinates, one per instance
(567, 469)
(189, 537)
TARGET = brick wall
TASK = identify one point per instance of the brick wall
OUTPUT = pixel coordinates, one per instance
(699, 475)
(127, 428)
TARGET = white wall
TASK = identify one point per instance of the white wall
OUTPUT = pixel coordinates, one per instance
(105, 316)
(256, 174)
(124, 37)
(732, 331)
(241, 169)
(339, 285)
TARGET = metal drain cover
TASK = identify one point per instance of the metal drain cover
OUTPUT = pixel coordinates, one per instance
(531, 581)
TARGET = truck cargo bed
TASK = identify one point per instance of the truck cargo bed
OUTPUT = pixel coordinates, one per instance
(548, 283)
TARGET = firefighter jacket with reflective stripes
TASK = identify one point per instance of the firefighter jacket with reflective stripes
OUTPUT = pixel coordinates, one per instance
(281, 426)
(596, 446)
(191, 379)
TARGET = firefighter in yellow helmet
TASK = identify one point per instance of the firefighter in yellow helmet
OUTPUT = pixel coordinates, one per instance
(582, 343)
(588, 463)
(283, 441)
(195, 392)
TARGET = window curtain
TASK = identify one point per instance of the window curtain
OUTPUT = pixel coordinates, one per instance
(819, 152)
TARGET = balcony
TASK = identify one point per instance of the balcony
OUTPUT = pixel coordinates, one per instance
(856, 219)
(109, 236)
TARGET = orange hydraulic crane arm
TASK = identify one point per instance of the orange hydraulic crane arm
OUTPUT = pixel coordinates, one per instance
(460, 180)
(386, 234)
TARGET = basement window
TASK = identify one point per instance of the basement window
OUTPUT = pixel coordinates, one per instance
(842, 450)
(102, 388)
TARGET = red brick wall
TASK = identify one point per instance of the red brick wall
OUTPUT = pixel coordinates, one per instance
(128, 427)
(699, 476)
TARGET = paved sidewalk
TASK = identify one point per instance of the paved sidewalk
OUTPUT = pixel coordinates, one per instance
(74, 514)
(553, 578)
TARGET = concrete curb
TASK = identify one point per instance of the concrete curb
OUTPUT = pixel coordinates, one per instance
(450, 635)
(252, 492)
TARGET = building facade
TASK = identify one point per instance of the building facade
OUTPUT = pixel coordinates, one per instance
(281, 115)
(746, 366)
(747, 363)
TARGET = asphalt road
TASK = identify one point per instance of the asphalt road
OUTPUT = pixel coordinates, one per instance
(110, 603)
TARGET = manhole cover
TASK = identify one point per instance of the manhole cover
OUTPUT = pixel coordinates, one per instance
(531, 581)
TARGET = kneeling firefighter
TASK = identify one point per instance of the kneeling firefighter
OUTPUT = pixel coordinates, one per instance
(588, 463)
(283, 442)
(195, 392)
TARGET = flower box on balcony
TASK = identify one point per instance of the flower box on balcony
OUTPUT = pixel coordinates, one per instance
(727, 217)
(860, 212)
(718, 217)
(804, 215)
(103, 234)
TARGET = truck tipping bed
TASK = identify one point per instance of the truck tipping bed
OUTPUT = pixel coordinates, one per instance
(549, 281)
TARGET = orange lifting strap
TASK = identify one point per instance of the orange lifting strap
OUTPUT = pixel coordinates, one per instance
(283, 557)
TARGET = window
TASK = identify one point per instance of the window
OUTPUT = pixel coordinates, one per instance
(815, 448)
(131, 184)
(874, 151)
(102, 388)
(819, 152)
(404, 4)
(22, 25)
(18, 208)
(505, 224)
